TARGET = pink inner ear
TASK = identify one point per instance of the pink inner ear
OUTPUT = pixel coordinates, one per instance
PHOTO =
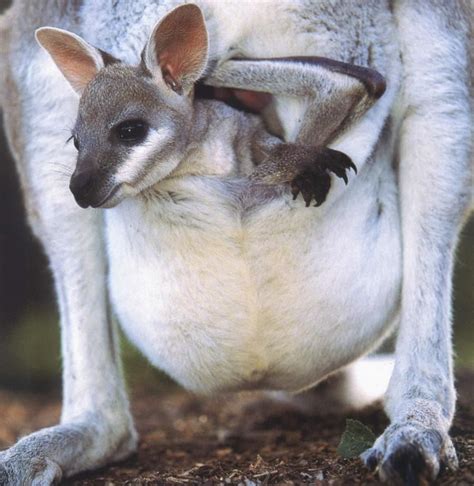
(79, 70)
(180, 61)
(170, 76)
(180, 45)
(72, 57)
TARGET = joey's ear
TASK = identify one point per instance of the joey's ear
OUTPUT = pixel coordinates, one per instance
(76, 59)
(177, 50)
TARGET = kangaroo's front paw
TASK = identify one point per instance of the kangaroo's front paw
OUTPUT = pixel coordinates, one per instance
(410, 454)
(19, 470)
(314, 181)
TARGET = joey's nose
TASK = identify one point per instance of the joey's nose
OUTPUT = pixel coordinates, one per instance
(81, 185)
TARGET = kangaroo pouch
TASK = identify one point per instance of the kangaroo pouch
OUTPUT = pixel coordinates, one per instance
(272, 297)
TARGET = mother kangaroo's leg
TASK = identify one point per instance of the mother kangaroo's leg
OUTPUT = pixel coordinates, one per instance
(96, 426)
(435, 184)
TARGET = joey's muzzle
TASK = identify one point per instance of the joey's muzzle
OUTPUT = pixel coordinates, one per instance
(82, 185)
(91, 188)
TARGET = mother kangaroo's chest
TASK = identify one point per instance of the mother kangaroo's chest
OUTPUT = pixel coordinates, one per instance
(226, 298)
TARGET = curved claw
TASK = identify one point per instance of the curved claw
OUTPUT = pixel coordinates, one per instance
(314, 181)
(312, 185)
(295, 187)
(321, 189)
(341, 173)
(346, 180)
(344, 160)
(306, 191)
(339, 163)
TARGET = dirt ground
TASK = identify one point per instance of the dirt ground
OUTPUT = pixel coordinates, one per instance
(235, 439)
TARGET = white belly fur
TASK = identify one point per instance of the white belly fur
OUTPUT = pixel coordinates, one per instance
(275, 299)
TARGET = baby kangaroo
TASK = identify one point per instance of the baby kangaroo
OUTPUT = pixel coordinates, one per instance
(139, 125)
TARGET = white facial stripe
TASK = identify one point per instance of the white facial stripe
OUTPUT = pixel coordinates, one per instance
(133, 166)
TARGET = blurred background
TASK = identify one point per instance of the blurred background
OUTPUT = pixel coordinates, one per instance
(29, 333)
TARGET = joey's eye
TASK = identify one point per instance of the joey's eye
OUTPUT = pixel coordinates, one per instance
(131, 131)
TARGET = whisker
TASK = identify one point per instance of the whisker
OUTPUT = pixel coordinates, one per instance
(62, 174)
(63, 165)
(63, 168)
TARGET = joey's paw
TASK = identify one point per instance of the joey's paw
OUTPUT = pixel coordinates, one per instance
(314, 179)
(410, 454)
(36, 471)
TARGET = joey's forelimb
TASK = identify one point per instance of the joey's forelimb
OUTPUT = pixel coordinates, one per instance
(307, 169)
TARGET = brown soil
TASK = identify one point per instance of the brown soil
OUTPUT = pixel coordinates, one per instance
(235, 439)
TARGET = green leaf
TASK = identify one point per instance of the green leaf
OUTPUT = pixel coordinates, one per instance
(355, 440)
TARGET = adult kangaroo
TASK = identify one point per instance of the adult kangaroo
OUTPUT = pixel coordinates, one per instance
(384, 243)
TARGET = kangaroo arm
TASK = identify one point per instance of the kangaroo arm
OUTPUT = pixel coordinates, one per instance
(339, 93)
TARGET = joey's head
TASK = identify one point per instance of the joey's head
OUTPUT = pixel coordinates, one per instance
(134, 122)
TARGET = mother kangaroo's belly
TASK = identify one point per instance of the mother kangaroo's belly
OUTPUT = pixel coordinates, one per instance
(275, 299)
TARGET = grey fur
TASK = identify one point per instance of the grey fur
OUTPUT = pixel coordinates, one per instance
(421, 45)
(119, 94)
